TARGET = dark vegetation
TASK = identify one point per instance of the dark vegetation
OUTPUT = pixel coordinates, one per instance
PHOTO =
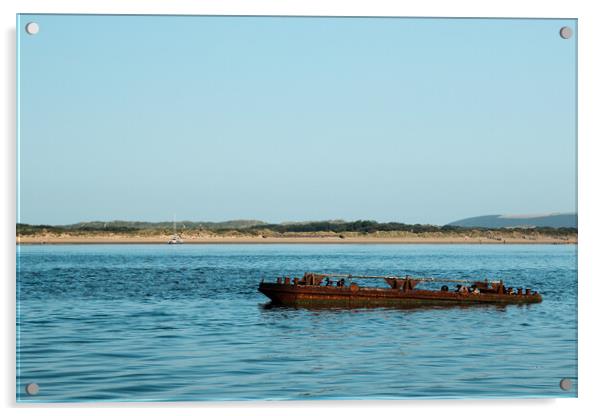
(252, 227)
(134, 226)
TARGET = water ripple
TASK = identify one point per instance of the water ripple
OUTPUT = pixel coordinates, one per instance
(106, 323)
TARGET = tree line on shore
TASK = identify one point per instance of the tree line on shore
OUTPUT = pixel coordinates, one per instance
(251, 227)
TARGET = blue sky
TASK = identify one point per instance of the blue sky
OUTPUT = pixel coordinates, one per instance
(290, 119)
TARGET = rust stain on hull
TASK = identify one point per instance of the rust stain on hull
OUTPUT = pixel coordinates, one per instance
(292, 294)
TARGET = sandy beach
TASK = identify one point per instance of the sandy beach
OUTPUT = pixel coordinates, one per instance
(418, 239)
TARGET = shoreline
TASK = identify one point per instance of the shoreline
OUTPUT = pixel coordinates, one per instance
(57, 240)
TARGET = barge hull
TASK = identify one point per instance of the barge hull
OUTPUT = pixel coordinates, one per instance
(299, 295)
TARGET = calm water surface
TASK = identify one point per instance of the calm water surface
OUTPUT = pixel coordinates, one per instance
(159, 322)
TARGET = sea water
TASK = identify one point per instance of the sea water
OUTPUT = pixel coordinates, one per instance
(186, 322)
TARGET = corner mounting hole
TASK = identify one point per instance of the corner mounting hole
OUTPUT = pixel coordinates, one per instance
(32, 389)
(565, 384)
(32, 28)
(566, 32)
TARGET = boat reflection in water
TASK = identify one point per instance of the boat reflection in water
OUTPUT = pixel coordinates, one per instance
(338, 290)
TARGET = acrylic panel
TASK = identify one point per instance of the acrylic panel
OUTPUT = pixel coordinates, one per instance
(228, 208)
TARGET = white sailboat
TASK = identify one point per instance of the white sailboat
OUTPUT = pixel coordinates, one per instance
(175, 238)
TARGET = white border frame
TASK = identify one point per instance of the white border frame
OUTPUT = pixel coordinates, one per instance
(590, 276)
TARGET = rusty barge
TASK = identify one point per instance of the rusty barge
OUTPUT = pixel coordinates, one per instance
(337, 290)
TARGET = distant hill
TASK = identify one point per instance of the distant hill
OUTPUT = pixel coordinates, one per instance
(524, 221)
